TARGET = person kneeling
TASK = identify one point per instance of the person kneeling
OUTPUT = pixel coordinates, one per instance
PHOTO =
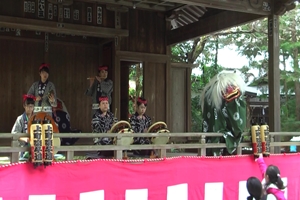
(102, 122)
(140, 122)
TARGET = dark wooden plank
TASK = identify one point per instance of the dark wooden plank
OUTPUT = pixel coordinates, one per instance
(19, 63)
(155, 90)
(136, 56)
(211, 24)
(146, 32)
(160, 91)
(12, 8)
(124, 109)
(52, 27)
(149, 87)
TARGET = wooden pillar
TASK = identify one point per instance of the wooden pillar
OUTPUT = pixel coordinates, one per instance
(117, 78)
(46, 48)
(274, 72)
(188, 99)
(168, 87)
(124, 98)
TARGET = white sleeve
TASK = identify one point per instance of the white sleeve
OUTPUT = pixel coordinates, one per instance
(17, 128)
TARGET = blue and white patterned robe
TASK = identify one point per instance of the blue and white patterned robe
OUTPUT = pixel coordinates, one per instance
(102, 124)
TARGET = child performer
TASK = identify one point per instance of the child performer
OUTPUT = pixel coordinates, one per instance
(140, 123)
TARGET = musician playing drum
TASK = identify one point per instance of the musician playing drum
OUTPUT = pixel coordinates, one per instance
(102, 122)
(44, 91)
(140, 123)
(100, 86)
(21, 123)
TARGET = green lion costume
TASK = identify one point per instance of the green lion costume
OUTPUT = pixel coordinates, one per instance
(224, 111)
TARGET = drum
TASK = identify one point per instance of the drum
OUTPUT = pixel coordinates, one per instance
(122, 127)
(41, 116)
(159, 127)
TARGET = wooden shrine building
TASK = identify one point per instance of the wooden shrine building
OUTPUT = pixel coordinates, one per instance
(76, 36)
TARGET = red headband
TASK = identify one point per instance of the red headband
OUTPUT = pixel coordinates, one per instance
(142, 101)
(103, 99)
(27, 96)
(104, 67)
(44, 65)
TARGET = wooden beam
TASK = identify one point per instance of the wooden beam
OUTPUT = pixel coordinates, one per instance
(188, 100)
(255, 7)
(184, 65)
(131, 4)
(136, 56)
(209, 25)
(65, 28)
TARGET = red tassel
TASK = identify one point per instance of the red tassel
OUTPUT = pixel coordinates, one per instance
(254, 146)
(264, 149)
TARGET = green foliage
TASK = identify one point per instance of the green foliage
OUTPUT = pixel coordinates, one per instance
(198, 83)
(196, 115)
(251, 41)
(180, 51)
(136, 75)
(132, 93)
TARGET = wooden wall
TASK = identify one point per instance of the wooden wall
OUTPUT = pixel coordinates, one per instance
(146, 32)
(145, 44)
(71, 64)
(181, 97)
(178, 103)
(19, 63)
(74, 58)
(16, 8)
(155, 90)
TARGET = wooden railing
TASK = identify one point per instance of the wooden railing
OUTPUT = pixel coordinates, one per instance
(200, 144)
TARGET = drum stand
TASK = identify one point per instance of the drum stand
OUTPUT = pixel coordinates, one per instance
(153, 155)
(125, 157)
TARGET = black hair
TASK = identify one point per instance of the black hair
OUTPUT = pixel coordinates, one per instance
(46, 69)
(29, 101)
(254, 188)
(139, 103)
(274, 177)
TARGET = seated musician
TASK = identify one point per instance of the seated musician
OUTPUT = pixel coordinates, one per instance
(100, 86)
(44, 91)
(21, 123)
(140, 123)
(102, 122)
(61, 117)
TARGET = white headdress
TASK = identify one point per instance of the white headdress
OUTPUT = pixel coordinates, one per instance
(214, 90)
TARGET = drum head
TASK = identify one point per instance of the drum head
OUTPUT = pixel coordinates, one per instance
(56, 143)
(161, 140)
(125, 140)
(119, 126)
(157, 126)
(41, 116)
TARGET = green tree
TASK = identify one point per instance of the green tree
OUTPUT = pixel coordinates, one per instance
(202, 51)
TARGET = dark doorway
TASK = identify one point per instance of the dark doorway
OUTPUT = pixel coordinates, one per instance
(131, 87)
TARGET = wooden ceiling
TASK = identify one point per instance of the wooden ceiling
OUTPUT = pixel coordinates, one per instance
(183, 12)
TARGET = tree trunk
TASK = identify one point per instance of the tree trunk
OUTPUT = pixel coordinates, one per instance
(285, 88)
(296, 67)
(139, 75)
(217, 53)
